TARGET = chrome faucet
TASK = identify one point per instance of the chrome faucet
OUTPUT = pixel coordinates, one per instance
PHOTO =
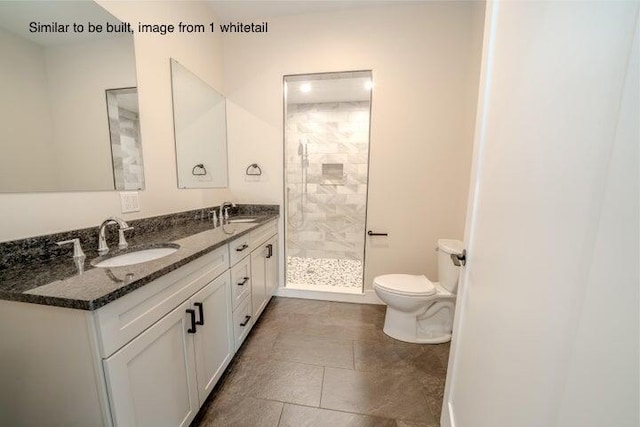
(122, 227)
(224, 211)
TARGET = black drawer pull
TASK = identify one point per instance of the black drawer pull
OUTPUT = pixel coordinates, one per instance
(244, 281)
(242, 248)
(270, 249)
(371, 233)
(201, 312)
(192, 313)
(246, 321)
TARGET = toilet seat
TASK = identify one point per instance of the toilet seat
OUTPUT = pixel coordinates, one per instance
(405, 284)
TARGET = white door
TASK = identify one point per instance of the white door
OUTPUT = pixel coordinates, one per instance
(214, 334)
(152, 379)
(546, 329)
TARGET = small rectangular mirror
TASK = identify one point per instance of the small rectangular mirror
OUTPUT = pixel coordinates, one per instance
(124, 129)
(200, 127)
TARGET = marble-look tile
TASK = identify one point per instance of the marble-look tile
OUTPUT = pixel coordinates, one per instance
(304, 416)
(383, 394)
(314, 350)
(236, 411)
(279, 380)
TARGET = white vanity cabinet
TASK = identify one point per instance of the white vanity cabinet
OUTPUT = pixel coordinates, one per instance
(148, 358)
(264, 274)
(152, 380)
(163, 375)
(213, 339)
(253, 277)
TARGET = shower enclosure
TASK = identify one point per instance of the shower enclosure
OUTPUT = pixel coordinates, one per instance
(326, 149)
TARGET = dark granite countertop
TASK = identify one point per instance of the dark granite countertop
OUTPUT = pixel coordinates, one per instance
(58, 281)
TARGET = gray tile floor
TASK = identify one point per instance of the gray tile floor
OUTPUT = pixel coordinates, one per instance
(319, 363)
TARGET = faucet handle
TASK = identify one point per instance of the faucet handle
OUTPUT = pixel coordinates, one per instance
(122, 242)
(77, 248)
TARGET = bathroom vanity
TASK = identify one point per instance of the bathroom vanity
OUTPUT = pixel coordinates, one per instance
(135, 345)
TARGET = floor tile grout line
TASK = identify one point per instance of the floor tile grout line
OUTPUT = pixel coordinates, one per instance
(324, 369)
(342, 411)
(281, 412)
(353, 344)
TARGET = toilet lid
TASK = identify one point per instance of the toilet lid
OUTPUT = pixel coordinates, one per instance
(405, 284)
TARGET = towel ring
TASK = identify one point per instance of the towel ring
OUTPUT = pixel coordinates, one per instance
(199, 169)
(253, 169)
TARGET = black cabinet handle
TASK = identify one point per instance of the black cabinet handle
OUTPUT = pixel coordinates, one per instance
(201, 312)
(243, 281)
(242, 248)
(192, 313)
(371, 233)
(246, 321)
(270, 249)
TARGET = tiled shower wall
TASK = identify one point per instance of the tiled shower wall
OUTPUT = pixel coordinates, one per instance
(333, 222)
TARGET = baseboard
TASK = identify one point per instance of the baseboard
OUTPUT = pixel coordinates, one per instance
(368, 297)
(448, 420)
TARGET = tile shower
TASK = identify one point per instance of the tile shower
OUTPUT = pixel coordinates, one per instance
(327, 152)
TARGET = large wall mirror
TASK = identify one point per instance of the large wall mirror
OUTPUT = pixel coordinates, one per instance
(69, 107)
(200, 126)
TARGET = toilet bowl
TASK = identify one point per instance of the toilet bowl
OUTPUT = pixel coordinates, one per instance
(418, 310)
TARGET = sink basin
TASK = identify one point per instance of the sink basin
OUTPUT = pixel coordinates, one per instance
(232, 220)
(135, 255)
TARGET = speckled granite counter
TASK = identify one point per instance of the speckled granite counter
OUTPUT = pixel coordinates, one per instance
(57, 281)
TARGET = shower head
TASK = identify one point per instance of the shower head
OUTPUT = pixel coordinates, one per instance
(302, 147)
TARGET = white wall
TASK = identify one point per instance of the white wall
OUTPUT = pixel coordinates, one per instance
(425, 62)
(33, 214)
(546, 330)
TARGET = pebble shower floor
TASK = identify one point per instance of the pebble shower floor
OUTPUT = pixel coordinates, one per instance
(338, 273)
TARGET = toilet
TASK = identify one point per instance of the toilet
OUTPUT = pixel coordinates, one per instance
(418, 310)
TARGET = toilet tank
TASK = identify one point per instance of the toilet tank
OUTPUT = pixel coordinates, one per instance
(448, 273)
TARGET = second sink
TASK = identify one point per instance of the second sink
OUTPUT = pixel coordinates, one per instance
(232, 220)
(135, 255)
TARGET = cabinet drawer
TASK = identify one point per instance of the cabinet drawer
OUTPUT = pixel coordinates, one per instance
(242, 321)
(262, 234)
(122, 320)
(239, 248)
(240, 281)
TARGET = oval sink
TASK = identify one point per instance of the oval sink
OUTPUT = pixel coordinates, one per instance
(134, 255)
(242, 220)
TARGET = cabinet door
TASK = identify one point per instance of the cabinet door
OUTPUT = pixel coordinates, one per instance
(271, 266)
(214, 342)
(152, 379)
(258, 279)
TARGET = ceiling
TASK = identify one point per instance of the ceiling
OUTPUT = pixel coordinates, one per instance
(238, 10)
